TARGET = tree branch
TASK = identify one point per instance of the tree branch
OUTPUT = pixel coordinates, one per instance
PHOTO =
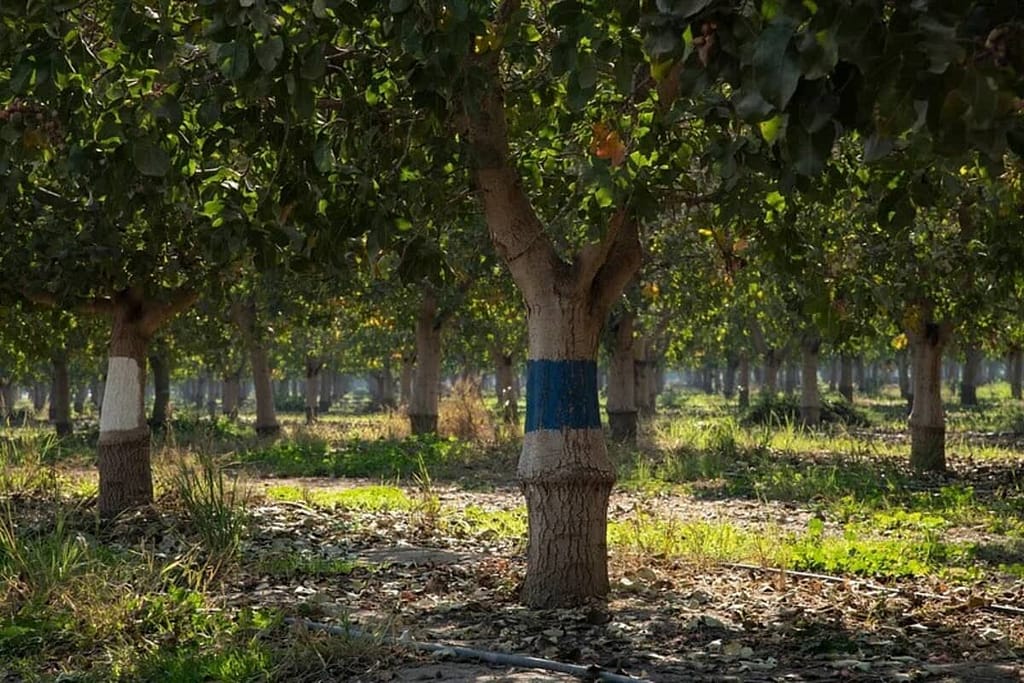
(156, 315)
(621, 263)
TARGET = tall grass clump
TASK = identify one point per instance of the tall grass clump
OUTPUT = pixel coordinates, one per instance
(462, 414)
(216, 506)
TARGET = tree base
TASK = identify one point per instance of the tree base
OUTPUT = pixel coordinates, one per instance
(810, 416)
(968, 395)
(623, 425)
(63, 429)
(928, 448)
(423, 424)
(846, 392)
(126, 480)
(567, 554)
(268, 430)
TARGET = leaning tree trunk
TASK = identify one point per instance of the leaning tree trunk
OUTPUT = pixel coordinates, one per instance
(124, 466)
(969, 380)
(426, 379)
(161, 389)
(846, 377)
(810, 400)
(313, 368)
(60, 401)
(506, 386)
(927, 421)
(744, 382)
(1014, 372)
(621, 404)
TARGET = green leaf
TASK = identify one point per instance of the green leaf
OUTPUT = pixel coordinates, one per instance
(399, 6)
(776, 66)
(771, 128)
(150, 159)
(233, 59)
(323, 156)
(269, 53)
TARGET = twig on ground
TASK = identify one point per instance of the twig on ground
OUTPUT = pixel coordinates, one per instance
(981, 604)
(586, 673)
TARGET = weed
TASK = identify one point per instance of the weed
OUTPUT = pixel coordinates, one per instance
(216, 507)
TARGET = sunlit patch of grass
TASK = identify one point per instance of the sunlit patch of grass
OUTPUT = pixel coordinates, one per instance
(478, 521)
(370, 498)
(287, 566)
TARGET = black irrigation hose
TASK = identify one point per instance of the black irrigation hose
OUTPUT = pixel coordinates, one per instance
(586, 673)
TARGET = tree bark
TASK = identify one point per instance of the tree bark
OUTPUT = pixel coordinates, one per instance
(231, 392)
(846, 377)
(621, 402)
(927, 420)
(161, 389)
(833, 373)
(382, 386)
(810, 400)
(266, 414)
(326, 391)
(38, 397)
(771, 373)
(1014, 369)
(729, 377)
(969, 380)
(81, 393)
(426, 380)
(506, 385)
(60, 401)
(312, 385)
(744, 382)
(124, 465)
(859, 376)
(405, 378)
(641, 377)
(903, 367)
(790, 380)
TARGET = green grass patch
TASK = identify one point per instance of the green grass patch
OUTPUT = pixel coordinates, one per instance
(288, 566)
(371, 498)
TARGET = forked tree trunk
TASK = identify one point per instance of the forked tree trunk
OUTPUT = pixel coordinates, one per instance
(161, 389)
(621, 404)
(266, 414)
(60, 401)
(846, 377)
(506, 386)
(313, 368)
(1014, 372)
(426, 381)
(810, 401)
(564, 470)
(927, 420)
(124, 466)
(405, 378)
(969, 380)
(743, 382)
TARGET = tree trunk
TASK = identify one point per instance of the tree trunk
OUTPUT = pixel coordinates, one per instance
(810, 401)
(212, 392)
(859, 377)
(833, 373)
(60, 401)
(641, 377)
(1014, 369)
(162, 390)
(230, 396)
(790, 379)
(124, 466)
(903, 368)
(266, 414)
(326, 391)
(342, 384)
(81, 393)
(6, 402)
(506, 385)
(729, 378)
(621, 403)
(744, 382)
(969, 380)
(771, 373)
(927, 421)
(405, 378)
(426, 380)
(200, 396)
(846, 377)
(313, 367)
(382, 386)
(38, 397)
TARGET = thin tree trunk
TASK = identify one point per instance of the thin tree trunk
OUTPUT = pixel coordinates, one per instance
(326, 391)
(38, 397)
(927, 420)
(1015, 370)
(312, 384)
(859, 377)
(641, 370)
(903, 368)
(61, 398)
(744, 382)
(810, 400)
(833, 373)
(789, 378)
(969, 380)
(405, 378)
(426, 381)
(846, 377)
(621, 402)
(266, 414)
(729, 378)
(771, 373)
(230, 396)
(506, 385)
(81, 394)
(212, 392)
(162, 390)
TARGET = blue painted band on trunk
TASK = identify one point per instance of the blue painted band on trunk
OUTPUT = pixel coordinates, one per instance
(561, 394)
